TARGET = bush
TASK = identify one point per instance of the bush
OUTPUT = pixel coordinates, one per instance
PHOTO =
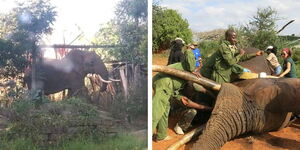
(123, 141)
(52, 122)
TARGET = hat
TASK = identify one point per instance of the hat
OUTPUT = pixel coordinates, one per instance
(191, 46)
(270, 47)
(180, 39)
(195, 43)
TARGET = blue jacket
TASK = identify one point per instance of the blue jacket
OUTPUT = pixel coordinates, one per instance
(197, 54)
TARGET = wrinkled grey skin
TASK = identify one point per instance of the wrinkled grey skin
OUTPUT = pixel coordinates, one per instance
(249, 106)
(68, 73)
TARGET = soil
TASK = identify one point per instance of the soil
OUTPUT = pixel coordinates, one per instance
(285, 139)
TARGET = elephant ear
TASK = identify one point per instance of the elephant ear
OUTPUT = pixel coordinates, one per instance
(286, 96)
(264, 98)
(277, 95)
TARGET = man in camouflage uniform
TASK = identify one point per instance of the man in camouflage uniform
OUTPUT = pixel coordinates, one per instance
(166, 91)
(221, 65)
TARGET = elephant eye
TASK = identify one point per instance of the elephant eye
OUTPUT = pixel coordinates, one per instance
(92, 62)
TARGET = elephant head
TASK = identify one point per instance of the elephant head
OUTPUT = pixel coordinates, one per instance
(249, 106)
(89, 62)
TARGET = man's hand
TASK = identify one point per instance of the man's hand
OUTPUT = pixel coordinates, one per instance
(197, 74)
(246, 70)
(259, 53)
(187, 102)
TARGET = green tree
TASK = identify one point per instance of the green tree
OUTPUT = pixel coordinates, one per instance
(132, 20)
(167, 25)
(107, 35)
(261, 30)
(129, 30)
(20, 31)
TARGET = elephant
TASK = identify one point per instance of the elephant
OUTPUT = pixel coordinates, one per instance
(249, 106)
(246, 106)
(68, 73)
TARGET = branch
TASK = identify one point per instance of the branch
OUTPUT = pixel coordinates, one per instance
(285, 26)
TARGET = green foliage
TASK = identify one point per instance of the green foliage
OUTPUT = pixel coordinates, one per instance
(128, 29)
(167, 25)
(20, 32)
(107, 35)
(65, 120)
(261, 30)
(132, 28)
(209, 47)
(121, 141)
(136, 105)
(17, 144)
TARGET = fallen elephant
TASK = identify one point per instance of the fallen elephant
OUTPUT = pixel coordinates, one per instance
(249, 106)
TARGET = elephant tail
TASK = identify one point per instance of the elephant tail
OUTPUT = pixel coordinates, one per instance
(232, 116)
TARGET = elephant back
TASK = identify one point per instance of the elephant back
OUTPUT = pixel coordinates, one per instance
(257, 64)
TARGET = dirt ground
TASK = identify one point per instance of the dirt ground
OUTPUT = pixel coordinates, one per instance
(284, 139)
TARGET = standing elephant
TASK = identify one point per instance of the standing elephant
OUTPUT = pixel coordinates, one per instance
(68, 73)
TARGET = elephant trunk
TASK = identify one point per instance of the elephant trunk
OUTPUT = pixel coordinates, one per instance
(232, 116)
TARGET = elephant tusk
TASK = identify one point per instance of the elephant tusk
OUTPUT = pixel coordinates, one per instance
(114, 80)
(187, 76)
(187, 137)
(105, 81)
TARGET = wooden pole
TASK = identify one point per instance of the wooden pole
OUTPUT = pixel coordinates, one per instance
(187, 76)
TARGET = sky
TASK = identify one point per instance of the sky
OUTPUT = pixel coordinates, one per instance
(206, 15)
(73, 18)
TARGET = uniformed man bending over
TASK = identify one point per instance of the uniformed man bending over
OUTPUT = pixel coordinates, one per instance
(166, 89)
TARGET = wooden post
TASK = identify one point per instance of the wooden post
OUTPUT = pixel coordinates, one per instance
(124, 83)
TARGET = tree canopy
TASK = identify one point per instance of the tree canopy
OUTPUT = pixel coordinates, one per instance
(167, 25)
(128, 29)
(261, 29)
(20, 31)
